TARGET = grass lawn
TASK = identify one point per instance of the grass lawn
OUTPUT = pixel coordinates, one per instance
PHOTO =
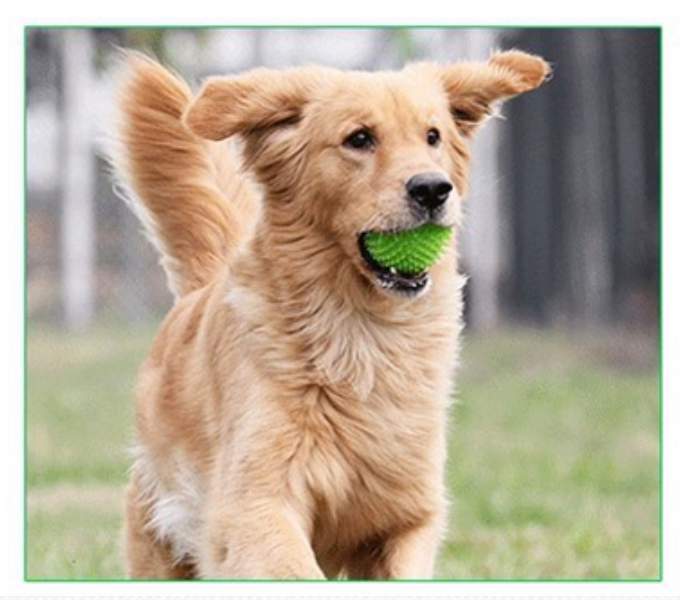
(553, 469)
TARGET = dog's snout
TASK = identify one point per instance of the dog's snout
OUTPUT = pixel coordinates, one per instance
(429, 190)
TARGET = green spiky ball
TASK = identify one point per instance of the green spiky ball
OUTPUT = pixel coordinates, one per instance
(409, 251)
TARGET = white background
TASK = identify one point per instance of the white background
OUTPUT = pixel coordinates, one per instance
(20, 13)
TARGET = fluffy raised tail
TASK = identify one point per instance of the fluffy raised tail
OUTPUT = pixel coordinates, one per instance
(192, 201)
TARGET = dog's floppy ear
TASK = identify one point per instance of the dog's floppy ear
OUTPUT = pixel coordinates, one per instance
(235, 104)
(473, 88)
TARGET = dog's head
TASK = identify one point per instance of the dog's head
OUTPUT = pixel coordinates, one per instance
(345, 153)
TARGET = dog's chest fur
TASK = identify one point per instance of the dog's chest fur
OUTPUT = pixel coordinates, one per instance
(370, 416)
(368, 466)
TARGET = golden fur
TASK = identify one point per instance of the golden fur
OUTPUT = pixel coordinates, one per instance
(291, 414)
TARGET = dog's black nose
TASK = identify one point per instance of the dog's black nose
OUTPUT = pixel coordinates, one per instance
(429, 190)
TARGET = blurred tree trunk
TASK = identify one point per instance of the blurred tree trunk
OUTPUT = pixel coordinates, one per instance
(590, 159)
(583, 184)
(78, 180)
(483, 233)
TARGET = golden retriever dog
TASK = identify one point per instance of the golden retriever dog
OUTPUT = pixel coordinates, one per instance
(291, 413)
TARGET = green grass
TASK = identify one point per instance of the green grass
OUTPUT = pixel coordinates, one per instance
(554, 461)
(79, 411)
(553, 466)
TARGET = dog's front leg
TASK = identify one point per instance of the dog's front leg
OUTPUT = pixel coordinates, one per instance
(411, 554)
(408, 554)
(265, 541)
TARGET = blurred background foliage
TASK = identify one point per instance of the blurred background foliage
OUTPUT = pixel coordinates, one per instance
(554, 466)
(564, 208)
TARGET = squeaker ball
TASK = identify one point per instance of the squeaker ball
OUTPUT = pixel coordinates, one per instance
(409, 251)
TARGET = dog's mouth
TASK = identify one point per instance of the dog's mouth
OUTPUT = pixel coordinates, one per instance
(391, 279)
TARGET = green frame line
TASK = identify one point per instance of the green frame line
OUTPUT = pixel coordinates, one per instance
(346, 26)
(660, 305)
(25, 306)
(656, 26)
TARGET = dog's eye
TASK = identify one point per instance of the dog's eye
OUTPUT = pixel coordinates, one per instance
(361, 139)
(433, 137)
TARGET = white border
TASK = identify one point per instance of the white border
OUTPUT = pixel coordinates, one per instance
(435, 12)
